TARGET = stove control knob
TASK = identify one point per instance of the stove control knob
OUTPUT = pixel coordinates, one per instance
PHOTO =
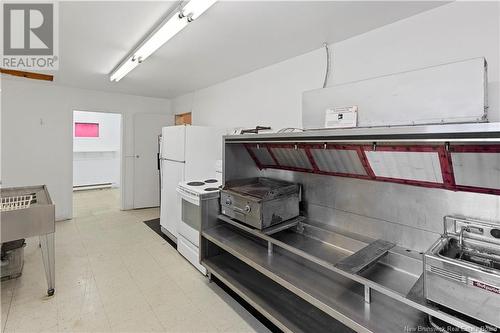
(247, 209)
(228, 201)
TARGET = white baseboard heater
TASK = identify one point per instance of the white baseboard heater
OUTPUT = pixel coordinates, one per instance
(92, 186)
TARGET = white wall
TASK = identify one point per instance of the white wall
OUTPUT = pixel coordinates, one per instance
(457, 31)
(37, 145)
(97, 160)
(272, 95)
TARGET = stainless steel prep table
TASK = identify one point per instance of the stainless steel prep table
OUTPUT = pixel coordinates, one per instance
(34, 217)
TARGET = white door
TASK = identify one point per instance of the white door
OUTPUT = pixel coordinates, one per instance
(147, 128)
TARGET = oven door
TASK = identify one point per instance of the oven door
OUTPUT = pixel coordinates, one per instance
(190, 223)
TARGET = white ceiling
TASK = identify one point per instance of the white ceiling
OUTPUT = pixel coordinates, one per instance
(230, 39)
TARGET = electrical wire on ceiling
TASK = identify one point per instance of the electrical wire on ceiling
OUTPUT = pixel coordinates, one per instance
(327, 72)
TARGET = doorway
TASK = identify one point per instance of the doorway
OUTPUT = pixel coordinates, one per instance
(97, 156)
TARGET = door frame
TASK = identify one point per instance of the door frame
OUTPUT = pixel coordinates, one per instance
(122, 152)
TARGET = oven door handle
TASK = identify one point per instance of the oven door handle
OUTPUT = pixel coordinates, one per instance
(238, 209)
(188, 197)
(245, 210)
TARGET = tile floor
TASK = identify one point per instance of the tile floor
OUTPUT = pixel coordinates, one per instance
(114, 274)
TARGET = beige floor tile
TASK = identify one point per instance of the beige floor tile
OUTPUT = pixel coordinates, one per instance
(82, 302)
(166, 295)
(138, 326)
(114, 274)
(184, 317)
(85, 322)
(141, 320)
(74, 290)
(32, 327)
(32, 316)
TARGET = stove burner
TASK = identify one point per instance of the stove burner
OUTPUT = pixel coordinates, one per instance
(208, 181)
(196, 183)
(208, 189)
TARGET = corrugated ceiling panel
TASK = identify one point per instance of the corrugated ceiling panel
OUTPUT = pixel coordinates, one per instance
(290, 157)
(477, 169)
(417, 166)
(263, 156)
(338, 161)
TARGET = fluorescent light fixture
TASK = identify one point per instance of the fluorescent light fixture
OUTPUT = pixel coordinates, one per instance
(124, 69)
(195, 8)
(168, 30)
(161, 35)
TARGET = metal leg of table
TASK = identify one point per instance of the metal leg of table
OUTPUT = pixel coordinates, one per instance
(368, 295)
(48, 256)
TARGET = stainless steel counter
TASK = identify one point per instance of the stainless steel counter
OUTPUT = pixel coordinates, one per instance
(383, 297)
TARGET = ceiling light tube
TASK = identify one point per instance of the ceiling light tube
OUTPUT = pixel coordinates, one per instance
(124, 69)
(159, 37)
(192, 10)
(195, 8)
(162, 35)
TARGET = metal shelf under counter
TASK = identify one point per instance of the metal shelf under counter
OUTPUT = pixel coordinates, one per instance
(283, 308)
(305, 263)
(341, 298)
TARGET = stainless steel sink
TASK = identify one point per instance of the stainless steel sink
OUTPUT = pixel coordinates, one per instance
(462, 269)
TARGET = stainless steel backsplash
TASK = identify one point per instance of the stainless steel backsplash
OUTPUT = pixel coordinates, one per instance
(410, 216)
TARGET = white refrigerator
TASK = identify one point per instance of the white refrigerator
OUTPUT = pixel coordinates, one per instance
(187, 153)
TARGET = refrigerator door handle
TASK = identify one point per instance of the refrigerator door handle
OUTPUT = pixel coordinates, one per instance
(171, 160)
(161, 176)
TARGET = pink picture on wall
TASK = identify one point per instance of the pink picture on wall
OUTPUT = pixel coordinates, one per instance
(87, 130)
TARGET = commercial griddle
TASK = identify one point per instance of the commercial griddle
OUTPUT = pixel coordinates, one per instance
(260, 202)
